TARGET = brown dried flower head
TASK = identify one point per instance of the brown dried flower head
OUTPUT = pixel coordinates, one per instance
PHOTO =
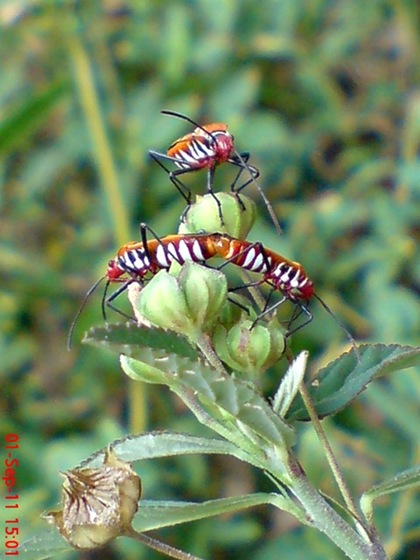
(97, 504)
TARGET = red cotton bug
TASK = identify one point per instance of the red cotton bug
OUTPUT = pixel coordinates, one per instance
(287, 277)
(137, 260)
(205, 148)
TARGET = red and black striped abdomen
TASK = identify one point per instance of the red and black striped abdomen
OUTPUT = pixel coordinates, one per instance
(284, 275)
(289, 277)
(136, 261)
(181, 248)
(199, 150)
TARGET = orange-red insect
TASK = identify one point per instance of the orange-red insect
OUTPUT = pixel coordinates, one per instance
(207, 147)
(285, 276)
(137, 260)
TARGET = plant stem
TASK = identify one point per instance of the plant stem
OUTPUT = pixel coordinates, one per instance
(324, 518)
(164, 548)
(207, 420)
(102, 151)
(341, 483)
(206, 348)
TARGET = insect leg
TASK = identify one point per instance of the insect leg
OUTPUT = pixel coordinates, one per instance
(241, 161)
(107, 301)
(210, 181)
(179, 185)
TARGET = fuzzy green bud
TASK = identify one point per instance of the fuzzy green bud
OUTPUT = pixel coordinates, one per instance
(236, 307)
(188, 304)
(239, 214)
(249, 351)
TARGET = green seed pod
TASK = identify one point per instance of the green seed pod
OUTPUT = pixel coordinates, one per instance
(189, 303)
(205, 291)
(236, 308)
(203, 216)
(249, 351)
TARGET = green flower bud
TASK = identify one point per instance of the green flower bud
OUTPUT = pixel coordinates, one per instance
(249, 351)
(98, 504)
(205, 292)
(189, 303)
(236, 307)
(203, 216)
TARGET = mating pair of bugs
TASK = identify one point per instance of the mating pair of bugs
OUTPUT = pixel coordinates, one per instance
(206, 148)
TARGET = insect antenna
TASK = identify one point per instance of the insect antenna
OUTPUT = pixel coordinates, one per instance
(79, 312)
(105, 299)
(349, 335)
(187, 119)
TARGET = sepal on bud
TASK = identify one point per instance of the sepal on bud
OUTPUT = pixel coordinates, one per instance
(189, 303)
(249, 351)
(203, 215)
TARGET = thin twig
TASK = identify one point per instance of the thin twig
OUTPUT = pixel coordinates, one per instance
(329, 452)
(164, 548)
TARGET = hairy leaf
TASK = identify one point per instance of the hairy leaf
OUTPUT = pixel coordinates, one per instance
(402, 481)
(45, 544)
(155, 515)
(232, 402)
(341, 381)
(154, 445)
(131, 339)
(289, 384)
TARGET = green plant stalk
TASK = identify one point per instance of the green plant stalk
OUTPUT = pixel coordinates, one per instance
(206, 348)
(101, 146)
(109, 179)
(321, 515)
(164, 548)
(335, 469)
(286, 468)
(324, 518)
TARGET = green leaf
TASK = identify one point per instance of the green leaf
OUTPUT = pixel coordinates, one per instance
(45, 544)
(341, 381)
(153, 445)
(234, 403)
(17, 126)
(402, 481)
(157, 514)
(289, 385)
(131, 339)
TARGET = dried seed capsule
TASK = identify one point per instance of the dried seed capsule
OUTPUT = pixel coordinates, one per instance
(97, 504)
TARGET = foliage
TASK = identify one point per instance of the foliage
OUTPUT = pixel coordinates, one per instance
(323, 95)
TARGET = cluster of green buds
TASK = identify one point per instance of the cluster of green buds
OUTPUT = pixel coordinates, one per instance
(193, 300)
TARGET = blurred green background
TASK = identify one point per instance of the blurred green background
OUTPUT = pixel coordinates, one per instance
(325, 95)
